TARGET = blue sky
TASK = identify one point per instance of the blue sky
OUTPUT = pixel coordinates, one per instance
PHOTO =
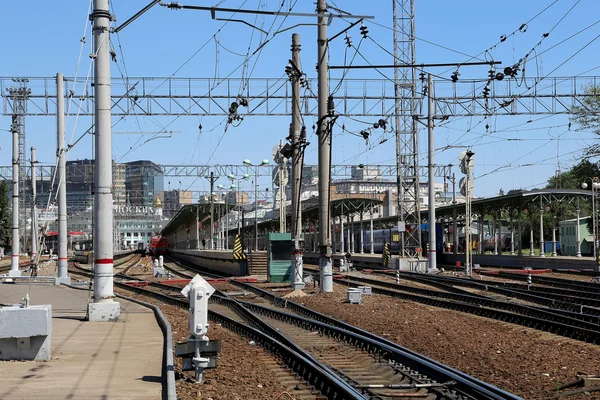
(41, 38)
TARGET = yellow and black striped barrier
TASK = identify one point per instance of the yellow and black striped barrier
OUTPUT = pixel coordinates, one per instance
(238, 252)
(386, 254)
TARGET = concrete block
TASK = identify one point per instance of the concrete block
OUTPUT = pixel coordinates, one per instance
(104, 312)
(353, 295)
(366, 290)
(63, 281)
(402, 264)
(26, 333)
(14, 273)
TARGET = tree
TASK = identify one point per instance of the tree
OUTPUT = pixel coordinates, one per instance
(5, 216)
(573, 178)
(587, 115)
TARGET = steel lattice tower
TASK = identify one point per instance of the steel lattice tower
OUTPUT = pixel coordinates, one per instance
(20, 95)
(407, 143)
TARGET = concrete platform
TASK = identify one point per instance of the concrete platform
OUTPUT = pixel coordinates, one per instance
(90, 360)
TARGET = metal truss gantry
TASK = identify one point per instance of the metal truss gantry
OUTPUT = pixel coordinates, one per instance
(272, 97)
(46, 171)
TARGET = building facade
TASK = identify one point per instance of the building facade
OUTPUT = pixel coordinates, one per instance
(174, 200)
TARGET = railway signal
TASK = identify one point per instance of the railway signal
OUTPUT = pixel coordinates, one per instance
(198, 353)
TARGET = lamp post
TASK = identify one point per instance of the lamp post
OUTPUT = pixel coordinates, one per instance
(221, 187)
(595, 186)
(232, 178)
(248, 163)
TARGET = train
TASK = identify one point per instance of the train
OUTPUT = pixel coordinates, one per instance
(389, 236)
(158, 245)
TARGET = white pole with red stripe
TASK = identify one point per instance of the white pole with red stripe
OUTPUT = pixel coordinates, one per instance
(104, 308)
(62, 184)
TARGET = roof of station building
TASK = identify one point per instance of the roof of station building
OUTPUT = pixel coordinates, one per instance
(189, 213)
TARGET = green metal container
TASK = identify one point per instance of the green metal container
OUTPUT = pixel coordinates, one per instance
(280, 257)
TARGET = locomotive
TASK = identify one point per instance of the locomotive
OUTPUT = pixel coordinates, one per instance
(158, 245)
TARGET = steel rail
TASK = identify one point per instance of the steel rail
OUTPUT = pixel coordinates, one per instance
(549, 299)
(377, 347)
(551, 322)
(317, 316)
(299, 361)
(548, 281)
(575, 297)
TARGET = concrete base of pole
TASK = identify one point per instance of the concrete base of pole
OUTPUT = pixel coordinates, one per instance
(109, 311)
(62, 267)
(326, 274)
(297, 272)
(13, 272)
(65, 280)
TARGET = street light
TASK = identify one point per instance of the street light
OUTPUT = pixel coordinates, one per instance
(595, 186)
(247, 163)
(232, 178)
(221, 187)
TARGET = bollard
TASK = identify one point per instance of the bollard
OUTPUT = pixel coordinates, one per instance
(161, 261)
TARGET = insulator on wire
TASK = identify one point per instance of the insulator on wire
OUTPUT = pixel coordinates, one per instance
(364, 31)
(330, 105)
(348, 40)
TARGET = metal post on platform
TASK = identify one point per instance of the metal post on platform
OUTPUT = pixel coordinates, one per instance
(531, 244)
(342, 238)
(554, 254)
(577, 232)
(497, 227)
(512, 233)
(212, 178)
(542, 252)
(104, 308)
(362, 235)
(371, 250)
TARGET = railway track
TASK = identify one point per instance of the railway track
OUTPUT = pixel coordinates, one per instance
(325, 383)
(350, 365)
(291, 306)
(556, 299)
(575, 326)
(549, 281)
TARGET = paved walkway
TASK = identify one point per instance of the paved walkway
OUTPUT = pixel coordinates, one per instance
(90, 360)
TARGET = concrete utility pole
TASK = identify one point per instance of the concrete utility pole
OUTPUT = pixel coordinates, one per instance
(34, 228)
(14, 259)
(297, 149)
(454, 216)
(324, 136)
(62, 184)
(212, 179)
(431, 175)
(104, 308)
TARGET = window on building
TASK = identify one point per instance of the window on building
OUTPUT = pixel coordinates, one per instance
(135, 234)
(128, 235)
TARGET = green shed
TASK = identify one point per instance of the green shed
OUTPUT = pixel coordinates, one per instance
(279, 267)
